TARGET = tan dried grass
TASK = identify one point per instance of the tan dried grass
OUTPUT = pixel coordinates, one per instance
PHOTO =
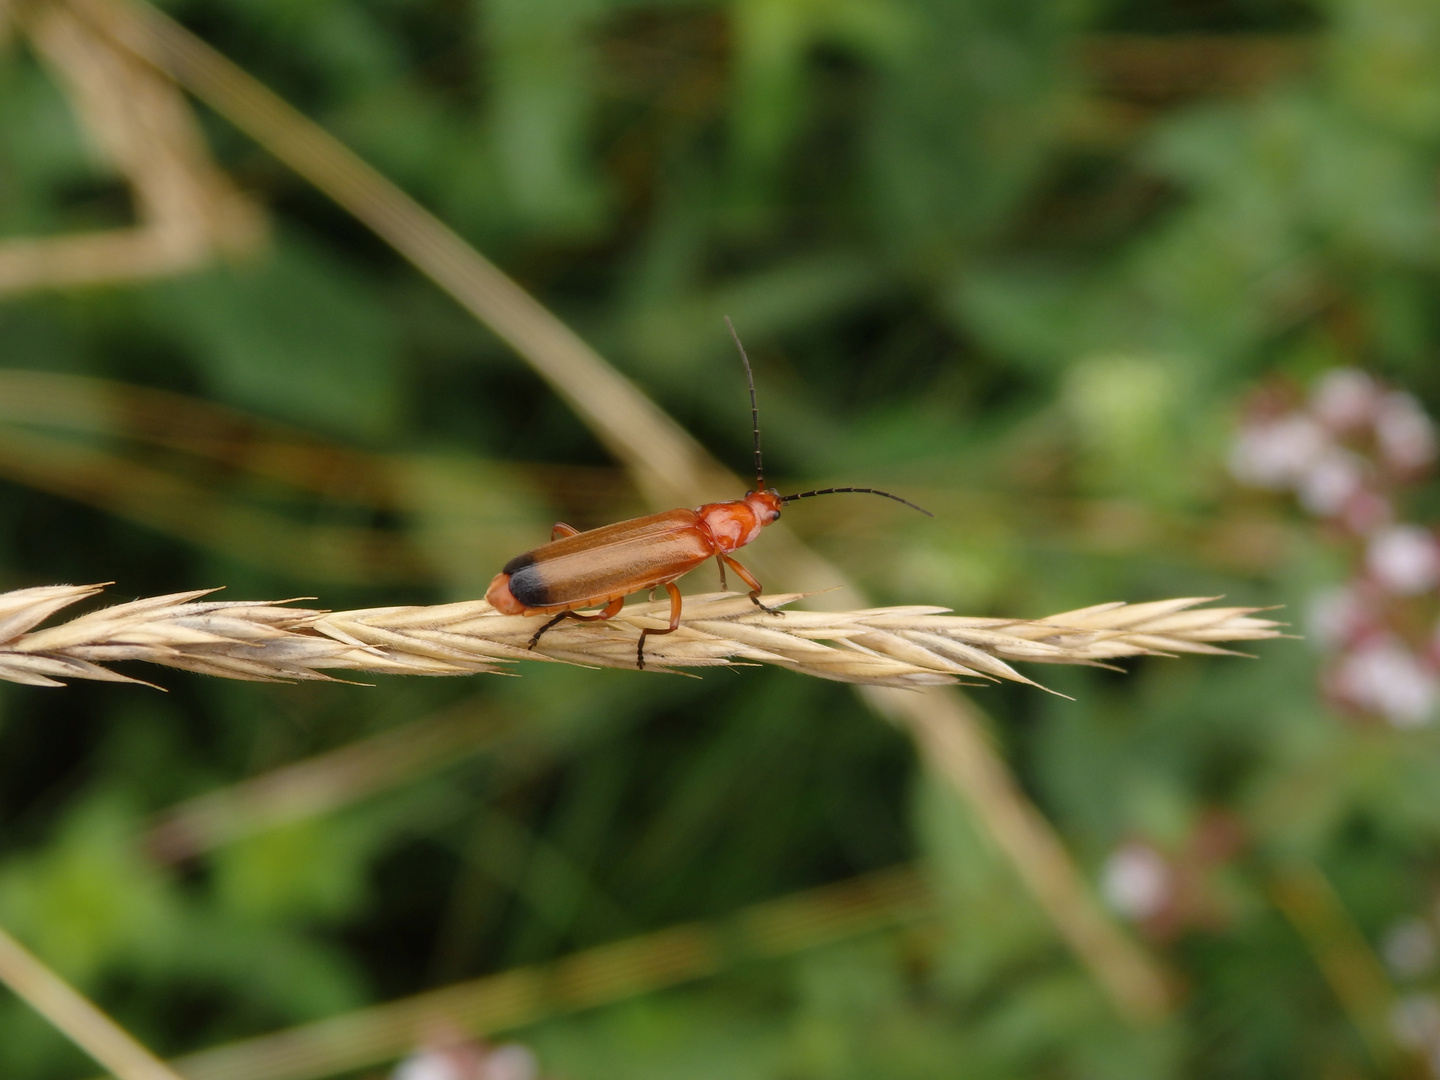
(139, 124)
(910, 646)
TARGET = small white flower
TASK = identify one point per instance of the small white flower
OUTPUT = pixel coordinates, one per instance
(1276, 453)
(1415, 1020)
(511, 1062)
(1404, 559)
(1337, 615)
(469, 1061)
(431, 1065)
(1345, 399)
(1406, 436)
(1385, 677)
(1409, 948)
(1331, 481)
(1136, 881)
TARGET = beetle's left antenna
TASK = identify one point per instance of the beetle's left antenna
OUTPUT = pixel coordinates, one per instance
(754, 408)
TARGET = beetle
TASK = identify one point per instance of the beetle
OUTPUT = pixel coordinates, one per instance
(605, 565)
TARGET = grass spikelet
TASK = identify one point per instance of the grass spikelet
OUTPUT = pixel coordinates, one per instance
(894, 646)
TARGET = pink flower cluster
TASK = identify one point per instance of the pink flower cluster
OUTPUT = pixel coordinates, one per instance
(1348, 451)
(1168, 891)
(448, 1055)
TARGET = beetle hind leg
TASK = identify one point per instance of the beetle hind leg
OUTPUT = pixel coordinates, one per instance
(674, 625)
(610, 611)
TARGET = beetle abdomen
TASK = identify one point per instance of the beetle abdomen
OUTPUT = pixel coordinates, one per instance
(527, 582)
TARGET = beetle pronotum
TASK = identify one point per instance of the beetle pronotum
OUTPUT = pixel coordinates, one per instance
(605, 565)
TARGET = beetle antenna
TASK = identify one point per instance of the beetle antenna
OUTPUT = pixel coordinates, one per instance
(863, 491)
(754, 408)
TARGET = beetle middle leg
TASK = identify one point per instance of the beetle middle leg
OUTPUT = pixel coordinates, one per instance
(720, 562)
(611, 610)
(560, 530)
(674, 624)
(749, 579)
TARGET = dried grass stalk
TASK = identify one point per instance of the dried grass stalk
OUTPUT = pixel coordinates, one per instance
(138, 121)
(896, 646)
(112, 1047)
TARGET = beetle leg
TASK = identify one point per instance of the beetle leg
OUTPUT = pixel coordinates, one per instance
(611, 610)
(560, 530)
(720, 562)
(749, 579)
(674, 624)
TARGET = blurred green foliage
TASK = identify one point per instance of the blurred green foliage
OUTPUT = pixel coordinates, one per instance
(1016, 260)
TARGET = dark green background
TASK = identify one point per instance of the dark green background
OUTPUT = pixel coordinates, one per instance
(981, 255)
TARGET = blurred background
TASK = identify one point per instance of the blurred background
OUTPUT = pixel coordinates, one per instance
(1093, 280)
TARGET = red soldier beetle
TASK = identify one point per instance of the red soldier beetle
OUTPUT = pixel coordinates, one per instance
(605, 565)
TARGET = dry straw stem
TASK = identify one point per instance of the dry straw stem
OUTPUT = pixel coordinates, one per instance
(906, 647)
(86, 1026)
(139, 122)
(1355, 974)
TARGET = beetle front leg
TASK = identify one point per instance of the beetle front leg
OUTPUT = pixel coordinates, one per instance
(610, 611)
(720, 562)
(674, 624)
(560, 530)
(749, 579)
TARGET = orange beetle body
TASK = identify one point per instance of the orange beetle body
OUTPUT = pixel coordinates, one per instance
(603, 566)
(583, 569)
